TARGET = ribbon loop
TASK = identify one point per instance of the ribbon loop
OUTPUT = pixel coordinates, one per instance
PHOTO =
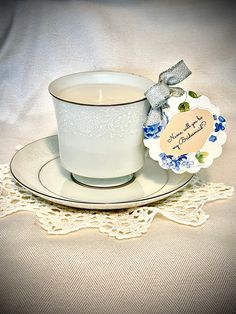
(158, 94)
(176, 74)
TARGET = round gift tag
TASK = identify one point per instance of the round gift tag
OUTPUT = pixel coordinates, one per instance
(189, 136)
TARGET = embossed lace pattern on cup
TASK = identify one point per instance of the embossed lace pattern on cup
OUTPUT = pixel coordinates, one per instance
(108, 122)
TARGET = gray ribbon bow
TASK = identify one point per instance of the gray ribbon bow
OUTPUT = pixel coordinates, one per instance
(159, 93)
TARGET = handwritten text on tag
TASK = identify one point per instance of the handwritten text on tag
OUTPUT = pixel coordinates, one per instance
(187, 132)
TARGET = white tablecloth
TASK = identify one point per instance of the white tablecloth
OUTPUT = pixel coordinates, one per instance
(172, 268)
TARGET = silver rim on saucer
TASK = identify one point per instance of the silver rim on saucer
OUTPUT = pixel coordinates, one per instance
(37, 168)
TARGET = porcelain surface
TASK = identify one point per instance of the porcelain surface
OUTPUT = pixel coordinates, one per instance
(101, 140)
(37, 167)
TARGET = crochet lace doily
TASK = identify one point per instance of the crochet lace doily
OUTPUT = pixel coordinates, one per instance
(184, 207)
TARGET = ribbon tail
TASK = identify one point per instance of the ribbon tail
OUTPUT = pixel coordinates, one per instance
(154, 116)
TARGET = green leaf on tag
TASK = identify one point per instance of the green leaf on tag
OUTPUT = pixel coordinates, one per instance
(201, 156)
(193, 94)
(184, 106)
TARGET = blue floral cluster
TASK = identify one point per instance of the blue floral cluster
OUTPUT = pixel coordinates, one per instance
(219, 126)
(154, 130)
(170, 162)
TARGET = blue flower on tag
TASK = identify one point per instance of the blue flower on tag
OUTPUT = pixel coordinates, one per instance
(219, 126)
(212, 138)
(170, 162)
(221, 119)
(154, 130)
(187, 163)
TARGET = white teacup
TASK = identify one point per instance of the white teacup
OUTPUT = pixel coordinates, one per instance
(100, 117)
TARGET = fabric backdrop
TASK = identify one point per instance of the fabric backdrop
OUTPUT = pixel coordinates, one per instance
(171, 269)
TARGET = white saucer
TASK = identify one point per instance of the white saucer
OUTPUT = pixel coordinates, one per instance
(37, 168)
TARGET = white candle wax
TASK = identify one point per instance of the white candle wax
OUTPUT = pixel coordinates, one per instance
(102, 94)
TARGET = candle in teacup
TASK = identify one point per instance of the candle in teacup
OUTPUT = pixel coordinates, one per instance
(100, 117)
(102, 94)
